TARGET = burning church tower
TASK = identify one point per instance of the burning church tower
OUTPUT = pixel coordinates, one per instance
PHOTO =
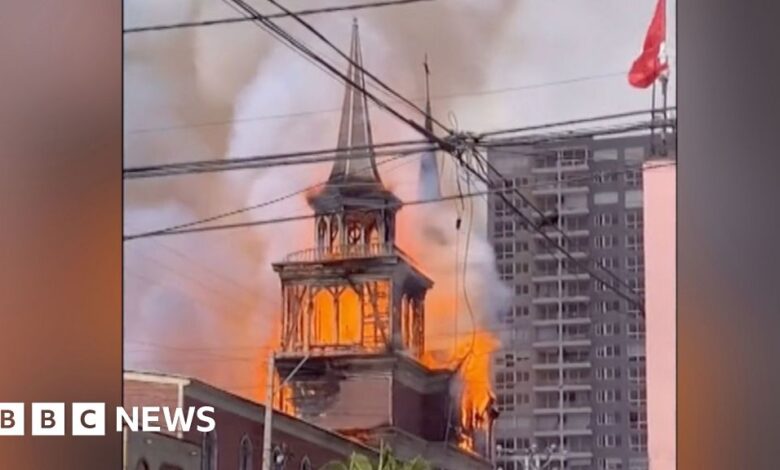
(353, 319)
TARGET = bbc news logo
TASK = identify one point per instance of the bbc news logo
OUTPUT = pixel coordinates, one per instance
(90, 419)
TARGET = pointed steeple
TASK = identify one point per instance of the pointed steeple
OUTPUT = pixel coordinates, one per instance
(355, 161)
(429, 171)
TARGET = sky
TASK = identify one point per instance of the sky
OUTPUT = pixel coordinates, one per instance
(196, 302)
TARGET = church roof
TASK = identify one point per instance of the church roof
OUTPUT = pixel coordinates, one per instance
(355, 162)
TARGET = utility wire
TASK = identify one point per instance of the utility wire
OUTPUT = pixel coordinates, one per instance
(276, 160)
(190, 227)
(282, 35)
(357, 65)
(247, 208)
(314, 11)
(572, 122)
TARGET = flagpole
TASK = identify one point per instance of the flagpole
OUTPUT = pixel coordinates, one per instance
(652, 122)
(664, 83)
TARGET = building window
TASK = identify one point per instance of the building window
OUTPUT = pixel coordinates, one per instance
(501, 208)
(608, 373)
(637, 420)
(634, 242)
(279, 458)
(522, 399)
(503, 229)
(505, 401)
(607, 329)
(608, 351)
(609, 440)
(611, 463)
(633, 178)
(209, 451)
(521, 289)
(633, 198)
(638, 442)
(634, 220)
(605, 241)
(605, 219)
(636, 330)
(506, 271)
(606, 263)
(637, 397)
(635, 264)
(605, 198)
(608, 306)
(610, 395)
(504, 250)
(605, 177)
(605, 155)
(608, 419)
(634, 155)
(245, 454)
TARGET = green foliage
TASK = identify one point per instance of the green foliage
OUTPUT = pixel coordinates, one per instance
(387, 461)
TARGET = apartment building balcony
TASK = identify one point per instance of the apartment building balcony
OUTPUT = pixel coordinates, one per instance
(562, 432)
(551, 276)
(583, 408)
(561, 365)
(551, 188)
(564, 298)
(583, 319)
(546, 170)
(565, 341)
(554, 253)
(566, 387)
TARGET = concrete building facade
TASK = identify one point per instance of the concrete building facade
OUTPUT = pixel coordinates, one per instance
(572, 369)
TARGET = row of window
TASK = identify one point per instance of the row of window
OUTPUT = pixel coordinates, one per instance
(636, 397)
(632, 178)
(637, 420)
(634, 219)
(210, 457)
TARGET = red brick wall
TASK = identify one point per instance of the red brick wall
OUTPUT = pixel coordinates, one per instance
(141, 393)
(232, 427)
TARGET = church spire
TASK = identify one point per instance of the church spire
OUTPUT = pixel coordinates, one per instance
(355, 161)
(429, 172)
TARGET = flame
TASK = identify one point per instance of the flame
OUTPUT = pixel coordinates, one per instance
(471, 359)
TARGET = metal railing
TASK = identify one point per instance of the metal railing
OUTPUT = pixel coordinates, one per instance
(339, 252)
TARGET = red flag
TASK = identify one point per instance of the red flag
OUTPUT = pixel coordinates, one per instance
(649, 65)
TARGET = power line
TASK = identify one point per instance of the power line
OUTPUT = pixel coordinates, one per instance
(251, 207)
(357, 65)
(191, 229)
(275, 160)
(573, 122)
(389, 148)
(314, 11)
(289, 40)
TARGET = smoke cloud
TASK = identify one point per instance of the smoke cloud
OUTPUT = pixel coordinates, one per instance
(181, 289)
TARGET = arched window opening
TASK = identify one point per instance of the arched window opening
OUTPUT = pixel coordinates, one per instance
(209, 451)
(245, 454)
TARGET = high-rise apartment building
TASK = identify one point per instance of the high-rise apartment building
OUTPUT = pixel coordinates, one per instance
(572, 369)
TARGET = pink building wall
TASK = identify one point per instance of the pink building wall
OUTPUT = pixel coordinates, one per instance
(660, 222)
